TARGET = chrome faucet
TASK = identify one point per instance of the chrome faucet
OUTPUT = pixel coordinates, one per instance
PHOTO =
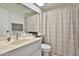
(17, 35)
(8, 35)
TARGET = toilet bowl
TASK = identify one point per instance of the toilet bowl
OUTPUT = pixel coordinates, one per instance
(45, 49)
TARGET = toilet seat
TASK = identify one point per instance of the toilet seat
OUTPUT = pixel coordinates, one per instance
(46, 47)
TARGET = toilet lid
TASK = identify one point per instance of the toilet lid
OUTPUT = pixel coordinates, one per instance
(45, 46)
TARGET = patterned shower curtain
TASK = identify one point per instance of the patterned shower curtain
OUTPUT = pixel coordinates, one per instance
(62, 30)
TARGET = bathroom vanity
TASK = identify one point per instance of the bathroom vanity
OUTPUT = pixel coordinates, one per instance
(22, 47)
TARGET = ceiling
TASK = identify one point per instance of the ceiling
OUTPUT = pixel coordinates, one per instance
(49, 6)
(18, 8)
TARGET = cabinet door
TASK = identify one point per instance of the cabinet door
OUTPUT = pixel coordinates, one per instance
(37, 53)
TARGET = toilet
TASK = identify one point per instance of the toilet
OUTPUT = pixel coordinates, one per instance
(45, 49)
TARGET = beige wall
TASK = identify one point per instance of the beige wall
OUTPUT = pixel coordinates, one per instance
(7, 17)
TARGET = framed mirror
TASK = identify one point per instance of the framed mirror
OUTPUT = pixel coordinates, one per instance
(17, 27)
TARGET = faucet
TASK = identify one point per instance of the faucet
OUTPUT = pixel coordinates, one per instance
(8, 39)
(17, 35)
(8, 36)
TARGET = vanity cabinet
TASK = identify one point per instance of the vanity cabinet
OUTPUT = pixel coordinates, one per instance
(32, 49)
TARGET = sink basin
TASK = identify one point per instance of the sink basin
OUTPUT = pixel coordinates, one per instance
(14, 41)
(5, 42)
(20, 40)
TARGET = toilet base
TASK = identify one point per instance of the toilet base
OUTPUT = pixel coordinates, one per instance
(45, 53)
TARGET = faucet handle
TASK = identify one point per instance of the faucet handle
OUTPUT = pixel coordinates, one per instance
(8, 39)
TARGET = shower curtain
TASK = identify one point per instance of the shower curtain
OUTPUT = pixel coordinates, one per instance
(62, 30)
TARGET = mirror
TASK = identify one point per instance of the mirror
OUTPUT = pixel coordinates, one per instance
(17, 27)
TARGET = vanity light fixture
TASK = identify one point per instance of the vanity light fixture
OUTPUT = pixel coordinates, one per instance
(40, 4)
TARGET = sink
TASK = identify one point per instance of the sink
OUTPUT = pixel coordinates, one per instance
(14, 41)
(2, 43)
(5, 42)
(20, 40)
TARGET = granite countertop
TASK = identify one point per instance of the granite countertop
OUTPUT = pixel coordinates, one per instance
(9, 46)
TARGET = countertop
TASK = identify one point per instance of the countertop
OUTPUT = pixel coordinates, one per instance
(4, 48)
